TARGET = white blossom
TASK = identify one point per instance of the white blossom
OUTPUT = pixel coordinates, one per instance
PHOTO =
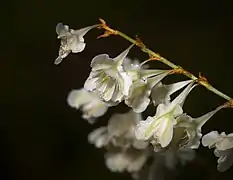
(121, 128)
(108, 77)
(130, 160)
(116, 162)
(223, 145)
(71, 40)
(190, 129)
(89, 102)
(140, 90)
(160, 127)
(119, 132)
(124, 151)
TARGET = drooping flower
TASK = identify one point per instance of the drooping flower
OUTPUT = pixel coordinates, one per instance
(140, 90)
(122, 126)
(189, 129)
(130, 160)
(160, 127)
(124, 151)
(108, 77)
(119, 132)
(89, 102)
(223, 145)
(71, 40)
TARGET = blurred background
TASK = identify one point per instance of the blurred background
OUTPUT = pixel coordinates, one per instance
(44, 138)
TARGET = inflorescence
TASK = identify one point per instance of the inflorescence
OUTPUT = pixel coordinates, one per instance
(170, 136)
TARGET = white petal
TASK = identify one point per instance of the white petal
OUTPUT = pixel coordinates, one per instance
(95, 108)
(161, 128)
(101, 61)
(58, 60)
(126, 82)
(89, 102)
(117, 95)
(77, 98)
(225, 160)
(142, 131)
(120, 124)
(162, 109)
(116, 162)
(210, 139)
(138, 97)
(138, 144)
(225, 143)
(77, 47)
(109, 91)
(62, 54)
(62, 30)
(90, 83)
(165, 132)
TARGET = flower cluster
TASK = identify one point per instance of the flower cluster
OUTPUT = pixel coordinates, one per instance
(124, 151)
(129, 139)
(223, 145)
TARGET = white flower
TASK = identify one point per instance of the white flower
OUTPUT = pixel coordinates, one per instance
(130, 161)
(88, 102)
(108, 77)
(119, 132)
(161, 92)
(190, 129)
(223, 145)
(116, 162)
(140, 90)
(71, 40)
(121, 128)
(123, 124)
(161, 125)
(124, 151)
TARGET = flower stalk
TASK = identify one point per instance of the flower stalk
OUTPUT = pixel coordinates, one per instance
(154, 56)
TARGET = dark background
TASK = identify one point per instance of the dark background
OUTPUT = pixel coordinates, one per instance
(43, 138)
